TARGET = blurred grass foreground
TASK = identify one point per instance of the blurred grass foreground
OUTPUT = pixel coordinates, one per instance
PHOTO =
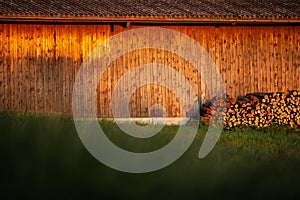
(43, 157)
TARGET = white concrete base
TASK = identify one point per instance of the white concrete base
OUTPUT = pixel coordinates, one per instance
(153, 120)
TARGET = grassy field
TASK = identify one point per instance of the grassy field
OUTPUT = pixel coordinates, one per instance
(43, 157)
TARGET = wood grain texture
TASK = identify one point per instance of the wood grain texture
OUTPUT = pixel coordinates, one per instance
(38, 65)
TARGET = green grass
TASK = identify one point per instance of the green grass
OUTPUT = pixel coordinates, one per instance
(43, 157)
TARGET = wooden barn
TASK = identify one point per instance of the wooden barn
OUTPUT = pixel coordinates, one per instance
(254, 44)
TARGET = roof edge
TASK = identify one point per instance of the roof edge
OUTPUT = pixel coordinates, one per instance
(150, 19)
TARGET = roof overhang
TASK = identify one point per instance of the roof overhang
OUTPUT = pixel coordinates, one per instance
(229, 20)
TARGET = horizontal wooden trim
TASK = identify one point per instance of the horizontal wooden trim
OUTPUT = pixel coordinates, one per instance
(149, 19)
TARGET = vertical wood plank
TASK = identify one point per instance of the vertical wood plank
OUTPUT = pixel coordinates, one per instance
(290, 69)
(291, 58)
(103, 34)
(185, 72)
(229, 63)
(212, 52)
(160, 60)
(60, 61)
(104, 88)
(258, 64)
(32, 67)
(2, 67)
(15, 68)
(144, 102)
(124, 60)
(25, 67)
(279, 59)
(269, 56)
(18, 70)
(4, 47)
(297, 56)
(38, 65)
(32, 71)
(136, 106)
(284, 48)
(204, 84)
(274, 61)
(253, 55)
(55, 72)
(263, 61)
(148, 87)
(46, 60)
(9, 59)
(44, 70)
(193, 73)
(224, 54)
(234, 64)
(240, 66)
(246, 57)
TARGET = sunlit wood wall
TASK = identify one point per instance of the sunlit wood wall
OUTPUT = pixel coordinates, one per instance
(38, 64)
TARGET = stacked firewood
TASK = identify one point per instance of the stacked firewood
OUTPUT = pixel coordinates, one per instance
(258, 109)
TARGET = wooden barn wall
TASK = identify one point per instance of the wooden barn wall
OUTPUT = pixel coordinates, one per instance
(38, 64)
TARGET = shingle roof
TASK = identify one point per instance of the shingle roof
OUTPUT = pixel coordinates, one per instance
(157, 8)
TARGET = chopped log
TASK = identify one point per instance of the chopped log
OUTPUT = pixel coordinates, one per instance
(259, 109)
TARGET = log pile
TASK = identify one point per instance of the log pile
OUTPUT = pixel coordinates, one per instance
(258, 109)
